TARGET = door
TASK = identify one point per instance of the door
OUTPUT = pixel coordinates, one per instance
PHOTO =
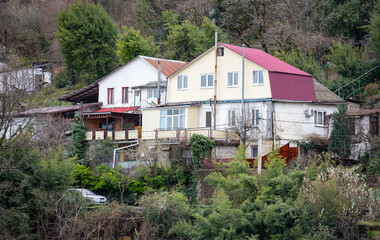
(208, 119)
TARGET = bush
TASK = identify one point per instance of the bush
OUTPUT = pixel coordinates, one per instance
(200, 148)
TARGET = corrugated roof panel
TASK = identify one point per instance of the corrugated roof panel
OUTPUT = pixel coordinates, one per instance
(266, 60)
(168, 67)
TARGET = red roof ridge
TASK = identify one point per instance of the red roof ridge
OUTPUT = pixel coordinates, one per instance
(265, 60)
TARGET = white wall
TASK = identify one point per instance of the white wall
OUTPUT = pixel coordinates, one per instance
(291, 122)
(137, 72)
(25, 79)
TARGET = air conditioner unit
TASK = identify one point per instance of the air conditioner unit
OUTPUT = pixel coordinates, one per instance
(309, 112)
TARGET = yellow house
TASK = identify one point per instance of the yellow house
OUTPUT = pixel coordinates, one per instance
(278, 104)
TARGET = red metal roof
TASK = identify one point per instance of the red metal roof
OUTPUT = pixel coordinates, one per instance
(286, 82)
(291, 87)
(266, 60)
(168, 67)
(116, 110)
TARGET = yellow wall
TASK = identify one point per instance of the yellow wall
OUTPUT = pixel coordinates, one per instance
(230, 62)
(150, 122)
(192, 117)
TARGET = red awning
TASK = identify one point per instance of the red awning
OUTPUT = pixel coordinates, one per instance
(116, 110)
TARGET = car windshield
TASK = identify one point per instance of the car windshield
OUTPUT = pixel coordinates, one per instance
(86, 192)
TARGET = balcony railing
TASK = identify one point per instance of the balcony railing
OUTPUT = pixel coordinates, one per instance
(185, 134)
(120, 135)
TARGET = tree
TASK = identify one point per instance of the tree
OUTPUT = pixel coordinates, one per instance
(131, 44)
(187, 41)
(303, 61)
(340, 141)
(78, 145)
(87, 36)
(200, 148)
(344, 58)
(374, 27)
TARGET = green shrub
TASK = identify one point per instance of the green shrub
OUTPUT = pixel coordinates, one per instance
(200, 148)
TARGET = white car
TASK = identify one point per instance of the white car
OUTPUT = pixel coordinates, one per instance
(87, 194)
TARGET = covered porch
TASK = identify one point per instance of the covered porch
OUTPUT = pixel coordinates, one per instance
(116, 124)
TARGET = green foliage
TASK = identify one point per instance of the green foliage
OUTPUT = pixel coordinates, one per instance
(78, 140)
(187, 41)
(200, 148)
(131, 43)
(163, 210)
(343, 57)
(340, 140)
(303, 61)
(56, 172)
(374, 27)
(87, 36)
(101, 151)
(336, 200)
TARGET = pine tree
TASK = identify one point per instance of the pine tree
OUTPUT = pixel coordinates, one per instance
(87, 36)
(340, 141)
(78, 141)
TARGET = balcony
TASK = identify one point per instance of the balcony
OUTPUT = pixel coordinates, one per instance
(185, 134)
(119, 135)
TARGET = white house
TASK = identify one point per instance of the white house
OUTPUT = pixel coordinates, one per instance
(121, 87)
(27, 79)
(364, 127)
(281, 103)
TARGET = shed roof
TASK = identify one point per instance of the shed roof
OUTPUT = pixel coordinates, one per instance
(58, 109)
(325, 95)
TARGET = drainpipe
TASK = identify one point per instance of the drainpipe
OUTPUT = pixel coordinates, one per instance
(159, 83)
(242, 97)
(215, 75)
(117, 149)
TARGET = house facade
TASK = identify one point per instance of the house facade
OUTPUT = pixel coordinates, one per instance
(364, 127)
(26, 79)
(281, 103)
(122, 93)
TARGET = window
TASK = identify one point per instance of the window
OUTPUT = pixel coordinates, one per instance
(220, 51)
(124, 95)
(231, 118)
(374, 125)
(208, 119)
(207, 80)
(137, 93)
(182, 82)
(233, 79)
(172, 119)
(153, 93)
(255, 117)
(319, 118)
(352, 126)
(258, 77)
(254, 152)
(110, 96)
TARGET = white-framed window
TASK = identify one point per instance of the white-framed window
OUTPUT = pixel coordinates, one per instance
(172, 119)
(319, 118)
(220, 51)
(124, 94)
(233, 79)
(207, 80)
(231, 118)
(255, 117)
(258, 77)
(152, 93)
(110, 96)
(137, 93)
(182, 82)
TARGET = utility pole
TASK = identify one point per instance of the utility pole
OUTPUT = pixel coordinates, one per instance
(159, 83)
(242, 97)
(215, 75)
